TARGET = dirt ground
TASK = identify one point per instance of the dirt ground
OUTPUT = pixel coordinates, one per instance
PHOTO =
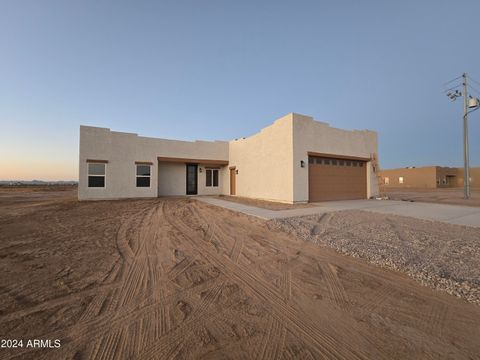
(270, 205)
(441, 196)
(177, 278)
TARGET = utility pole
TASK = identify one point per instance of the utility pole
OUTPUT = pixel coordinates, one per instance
(469, 102)
(466, 170)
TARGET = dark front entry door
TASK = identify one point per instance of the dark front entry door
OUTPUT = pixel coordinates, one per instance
(192, 179)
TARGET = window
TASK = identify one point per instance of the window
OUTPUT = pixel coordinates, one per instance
(211, 177)
(334, 162)
(318, 161)
(96, 175)
(354, 163)
(360, 164)
(143, 175)
(400, 180)
(348, 163)
(386, 180)
(311, 160)
(326, 161)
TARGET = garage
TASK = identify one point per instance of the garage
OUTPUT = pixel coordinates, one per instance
(336, 178)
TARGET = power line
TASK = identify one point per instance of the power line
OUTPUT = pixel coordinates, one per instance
(448, 82)
(473, 88)
(475, 81)
(452, 88)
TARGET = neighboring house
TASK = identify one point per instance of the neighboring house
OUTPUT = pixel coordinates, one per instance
(296, 159)
(431, 177)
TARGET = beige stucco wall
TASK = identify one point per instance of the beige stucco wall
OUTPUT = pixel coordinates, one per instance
(427, 176)
(268, 163)
(264, 162)
(212, 190)
(171, 179)
(315, 136)
(121, 150)
(422, 177)
(474, 177)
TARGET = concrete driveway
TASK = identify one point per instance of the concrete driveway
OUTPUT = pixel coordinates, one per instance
(453, 214)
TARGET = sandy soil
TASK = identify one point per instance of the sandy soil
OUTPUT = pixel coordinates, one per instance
(176, 278)
(270, 205)
(441, 196)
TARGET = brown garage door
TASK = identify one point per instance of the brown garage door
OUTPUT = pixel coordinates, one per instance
(336, 179)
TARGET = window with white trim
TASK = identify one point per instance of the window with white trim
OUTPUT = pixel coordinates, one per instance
(96, 175)
(143, 175)
(211, 177)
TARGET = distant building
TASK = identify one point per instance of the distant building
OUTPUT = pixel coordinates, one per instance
(429, 177)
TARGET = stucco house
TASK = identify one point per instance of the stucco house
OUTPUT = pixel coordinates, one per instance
(296, 159)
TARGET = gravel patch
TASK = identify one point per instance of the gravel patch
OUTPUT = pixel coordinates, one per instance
(442, 256)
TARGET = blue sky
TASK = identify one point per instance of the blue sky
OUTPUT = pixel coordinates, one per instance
(224, 69)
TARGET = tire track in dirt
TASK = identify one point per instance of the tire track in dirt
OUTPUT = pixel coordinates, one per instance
(84, 331)
(345, 330)
(272, 344)
(113, 274)
(289, 265)
(115, 319)
(111, 300)
(94, 307)
(153, 269)
(285, 284)
(140, 277)
(338, 294)
(236, 250)
(168, 346)
(322, 224)
(64, 300)
(135, 275)
(108, 346)
(180, 268)
(122, 241)
(327, 345)
(302, 353)
(380, 297)
(435, 319)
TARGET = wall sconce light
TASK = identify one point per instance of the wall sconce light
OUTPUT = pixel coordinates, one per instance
(236, 172)
(200, 169)
(302, 163)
